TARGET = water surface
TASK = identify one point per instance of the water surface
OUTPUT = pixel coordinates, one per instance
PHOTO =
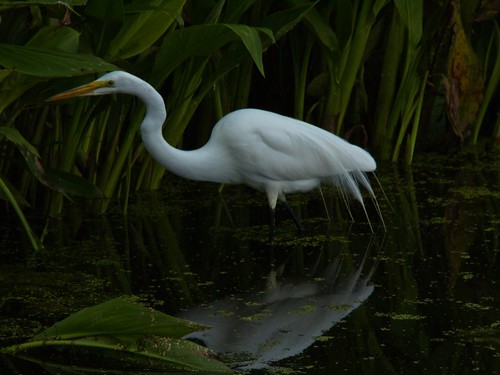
(421, 297)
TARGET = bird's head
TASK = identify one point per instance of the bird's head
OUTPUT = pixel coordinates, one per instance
(109, 83)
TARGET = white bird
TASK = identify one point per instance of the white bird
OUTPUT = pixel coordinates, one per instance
(269, 152)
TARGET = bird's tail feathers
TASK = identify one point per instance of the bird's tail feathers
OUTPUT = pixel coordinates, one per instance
(348, 183)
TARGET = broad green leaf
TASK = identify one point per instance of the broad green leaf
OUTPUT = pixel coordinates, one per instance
(278, 23)
(251, 39)
(70, 184)
(59, 38)
(42, 62)
(13, 82)
(203, 40)
(155, 355)
(119, 334)
(185, 354)
(118, 317)
(141, 30)
(179, 45)
(282, 22)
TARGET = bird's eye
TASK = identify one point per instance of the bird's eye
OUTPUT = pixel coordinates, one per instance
(111, 83)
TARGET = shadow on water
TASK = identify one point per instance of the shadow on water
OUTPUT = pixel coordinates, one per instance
(311, 304)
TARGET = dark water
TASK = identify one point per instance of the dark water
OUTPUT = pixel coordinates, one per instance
(421, 297)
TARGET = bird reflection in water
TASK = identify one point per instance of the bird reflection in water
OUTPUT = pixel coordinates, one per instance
(284, 319)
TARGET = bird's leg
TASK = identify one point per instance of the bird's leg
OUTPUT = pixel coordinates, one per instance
(295, 219)
(272, 223)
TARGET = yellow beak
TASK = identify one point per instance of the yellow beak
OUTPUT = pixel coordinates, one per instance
(79, 91)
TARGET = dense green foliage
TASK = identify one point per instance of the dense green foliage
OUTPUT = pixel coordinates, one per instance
(401, 74)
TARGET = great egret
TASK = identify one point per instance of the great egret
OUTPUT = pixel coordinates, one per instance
(269, 152)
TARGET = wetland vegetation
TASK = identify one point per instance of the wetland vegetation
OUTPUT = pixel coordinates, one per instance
(88, 217)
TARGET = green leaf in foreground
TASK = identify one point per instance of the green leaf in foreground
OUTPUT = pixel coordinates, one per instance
(120, 334)
(118, 317)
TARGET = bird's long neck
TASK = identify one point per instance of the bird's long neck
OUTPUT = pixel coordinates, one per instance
(194, 165)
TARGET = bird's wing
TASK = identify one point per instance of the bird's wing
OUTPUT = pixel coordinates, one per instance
(281, 148)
